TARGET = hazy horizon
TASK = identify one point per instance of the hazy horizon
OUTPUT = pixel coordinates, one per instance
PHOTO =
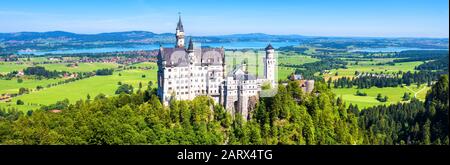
(350, 18)
(225, 34)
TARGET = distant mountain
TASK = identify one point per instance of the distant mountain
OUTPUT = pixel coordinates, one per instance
(135, 35)
(115, 36)
(35, 35)
(260, 36)
(60, 40)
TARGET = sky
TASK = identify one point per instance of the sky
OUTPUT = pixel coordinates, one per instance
(363, 18)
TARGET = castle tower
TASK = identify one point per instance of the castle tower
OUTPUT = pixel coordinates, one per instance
(179, 34)
(190, 51)
(161, 66)
(269, 64)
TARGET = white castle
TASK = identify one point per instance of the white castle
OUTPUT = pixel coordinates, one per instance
(184, 74)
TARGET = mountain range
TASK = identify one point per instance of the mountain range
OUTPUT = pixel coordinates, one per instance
(137, 35)
(58, 40)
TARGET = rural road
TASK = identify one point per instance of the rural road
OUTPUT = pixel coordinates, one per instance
(415, 93)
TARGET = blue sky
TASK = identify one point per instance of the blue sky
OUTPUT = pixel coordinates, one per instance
(376, 18)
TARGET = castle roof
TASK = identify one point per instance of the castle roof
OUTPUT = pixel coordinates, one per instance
(179, 56)
(180, 25)
(191, 45)
(239, 74)
(269, 47)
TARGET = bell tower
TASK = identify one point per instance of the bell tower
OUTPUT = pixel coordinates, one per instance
(179, 33)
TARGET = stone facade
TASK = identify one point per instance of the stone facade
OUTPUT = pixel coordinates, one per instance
(184, 73)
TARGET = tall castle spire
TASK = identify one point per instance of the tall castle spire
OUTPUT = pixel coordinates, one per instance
(179, 33)
(180, 24)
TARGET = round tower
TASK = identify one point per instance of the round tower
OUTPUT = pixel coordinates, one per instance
(269, 64)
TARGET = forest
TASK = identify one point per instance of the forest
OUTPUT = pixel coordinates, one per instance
(381, 81)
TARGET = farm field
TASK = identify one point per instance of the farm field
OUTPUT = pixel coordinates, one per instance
(80, 89)
(295, 59)
(146, 64)
(12, 86)
(6, 67)
(351, 69)
(82, 67)
(394, 94)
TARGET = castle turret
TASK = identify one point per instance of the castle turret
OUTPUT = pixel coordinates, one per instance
(161, 66)
(190, 51)
(180, 34)
(269, 64)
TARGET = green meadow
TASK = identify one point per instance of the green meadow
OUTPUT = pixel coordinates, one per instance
(369, 68)
(82, 67)
(257, 58)
(146, 65)
(12, 86)
(295, 59)
(6, 67)
(394, 94)
(80, 89)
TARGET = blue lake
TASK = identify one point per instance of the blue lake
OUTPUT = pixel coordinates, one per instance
(230, 45)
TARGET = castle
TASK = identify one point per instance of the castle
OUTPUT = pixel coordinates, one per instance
(184, 73)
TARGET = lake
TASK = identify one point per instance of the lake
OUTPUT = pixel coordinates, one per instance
(228, 45)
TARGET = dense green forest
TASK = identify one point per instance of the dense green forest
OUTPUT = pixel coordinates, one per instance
(388, 80)
(290, 117)
(438, 64)
(410, 123)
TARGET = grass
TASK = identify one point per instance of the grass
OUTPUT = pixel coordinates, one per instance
(394, 94)
(351, 69)
(12, 86)
(145, 64)
(6, 67)
(257, 58)
(80, 89)
(295, 59)
(82, 67)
